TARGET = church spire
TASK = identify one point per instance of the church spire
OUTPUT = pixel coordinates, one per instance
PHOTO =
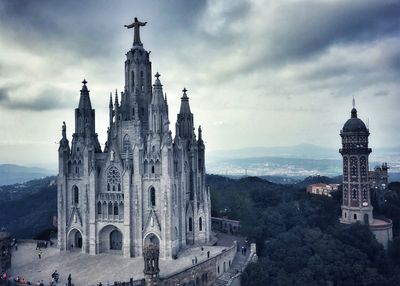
(84, 100)
(185, 118)
(185, 108)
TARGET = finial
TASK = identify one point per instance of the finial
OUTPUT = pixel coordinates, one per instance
(165, 97)
(116, 97)
(184, 90)
(64, 130)
(84, 82)
(157, 75)
(110, 105)
(354, 102)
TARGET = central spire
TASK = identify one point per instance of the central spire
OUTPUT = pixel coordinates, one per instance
(136, 26)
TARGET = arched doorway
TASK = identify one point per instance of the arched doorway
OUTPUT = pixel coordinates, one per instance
(78, 240)
(115, 240)
(110, 240)
(75, 240)
(151, 238)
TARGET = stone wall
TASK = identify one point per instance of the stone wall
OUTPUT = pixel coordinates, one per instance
(203, 273)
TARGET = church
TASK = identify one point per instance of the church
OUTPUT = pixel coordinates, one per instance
(145, 186)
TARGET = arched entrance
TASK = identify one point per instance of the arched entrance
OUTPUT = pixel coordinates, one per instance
(110, 240)
(115, 240)
(75, 240)
(78, 240)
(151, 238)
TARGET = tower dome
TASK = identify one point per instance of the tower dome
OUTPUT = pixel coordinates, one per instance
(354, 124)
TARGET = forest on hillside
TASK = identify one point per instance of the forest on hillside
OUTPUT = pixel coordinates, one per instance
(299, 238)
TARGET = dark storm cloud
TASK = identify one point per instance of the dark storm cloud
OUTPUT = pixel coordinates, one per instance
(46, 100)
(298, 31)
(381, 93)
(312, 27)
(89, 28)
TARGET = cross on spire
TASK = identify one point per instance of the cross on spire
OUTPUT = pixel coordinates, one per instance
(84, 81)
(184, 90)
(157, 75)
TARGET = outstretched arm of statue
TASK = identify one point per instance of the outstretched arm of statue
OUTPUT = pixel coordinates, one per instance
(129, 26)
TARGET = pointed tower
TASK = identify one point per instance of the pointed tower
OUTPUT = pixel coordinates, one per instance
(85, 132)
(158, 110)
(356, 205)
(185, 118)
(137, 95)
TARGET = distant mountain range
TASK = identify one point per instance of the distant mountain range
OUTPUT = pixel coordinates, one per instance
(12, 174)
(302, 151)
(292, 162)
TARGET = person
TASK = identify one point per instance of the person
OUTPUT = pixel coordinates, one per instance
(40, 254)
(195, 260)
(69, 280)
(208, 254)
(55, 275)
(192, 260)
(4, 276)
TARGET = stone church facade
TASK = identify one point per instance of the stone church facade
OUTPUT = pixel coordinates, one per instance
(144, 187)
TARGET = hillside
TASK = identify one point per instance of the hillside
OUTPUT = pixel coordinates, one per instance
(31, 207)
(12, 174)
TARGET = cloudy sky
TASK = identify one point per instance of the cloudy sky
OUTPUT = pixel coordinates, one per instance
(259, 73)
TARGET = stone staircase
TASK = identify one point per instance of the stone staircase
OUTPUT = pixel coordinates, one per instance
(236, 267)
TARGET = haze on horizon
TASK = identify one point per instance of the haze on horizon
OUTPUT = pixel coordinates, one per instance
(259, 74)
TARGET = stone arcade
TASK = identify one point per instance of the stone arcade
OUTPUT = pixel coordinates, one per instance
(144, 186)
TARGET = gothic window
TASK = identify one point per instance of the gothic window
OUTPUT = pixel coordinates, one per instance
(154, 123)
(76, 195)
(121, 210)
(110, 208)
(363, 166)
(108, 187)
(152, 169)
(126, 144)
(115, 208)
(354, 193)
(345, 192)
(133, 112)
(200, 224)
(355, 216)
(353, 166)
(113, 179)
(345, 167)
(190, 224)
(364, 194)
(133, 79)
(152, 197)
(119, 187)
(99, 208)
